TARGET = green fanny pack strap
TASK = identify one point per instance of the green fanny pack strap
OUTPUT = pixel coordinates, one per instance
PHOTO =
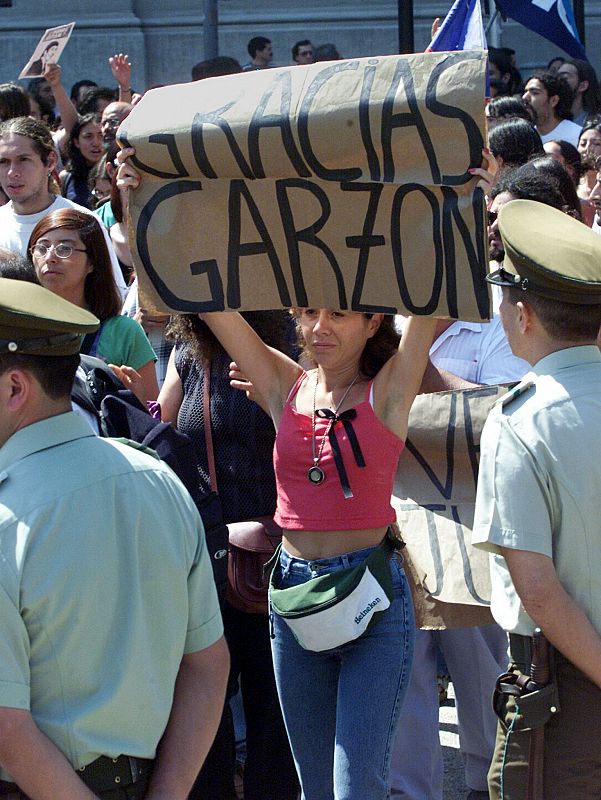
(332, 609)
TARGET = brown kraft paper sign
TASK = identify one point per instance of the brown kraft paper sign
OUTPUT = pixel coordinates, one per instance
(434, 496)
(341, 185)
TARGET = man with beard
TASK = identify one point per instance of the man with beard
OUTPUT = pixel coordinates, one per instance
(549, 98)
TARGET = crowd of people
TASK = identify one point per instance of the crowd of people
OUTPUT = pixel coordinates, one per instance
(350, 721)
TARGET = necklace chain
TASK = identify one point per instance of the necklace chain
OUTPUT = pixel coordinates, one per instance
(317, 456)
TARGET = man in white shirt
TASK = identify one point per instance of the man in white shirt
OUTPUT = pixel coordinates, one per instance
(549, 97)
(27, 160)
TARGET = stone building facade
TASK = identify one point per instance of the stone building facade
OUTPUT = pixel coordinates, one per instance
(164, 37)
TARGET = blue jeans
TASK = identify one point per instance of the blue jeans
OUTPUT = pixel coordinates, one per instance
(341, 706)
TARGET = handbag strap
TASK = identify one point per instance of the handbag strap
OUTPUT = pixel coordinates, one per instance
(206, 402)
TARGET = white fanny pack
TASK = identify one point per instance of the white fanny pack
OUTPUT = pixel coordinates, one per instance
(336, 608)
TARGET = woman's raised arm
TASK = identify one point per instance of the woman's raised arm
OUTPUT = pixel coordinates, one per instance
(270, 371)
(399, 380)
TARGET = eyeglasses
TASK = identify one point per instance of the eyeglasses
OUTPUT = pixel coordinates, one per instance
(61, 250)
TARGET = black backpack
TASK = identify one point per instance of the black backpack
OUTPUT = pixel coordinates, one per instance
(120, 415)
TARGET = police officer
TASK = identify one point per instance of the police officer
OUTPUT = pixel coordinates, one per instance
(112, 659)
(537, 508)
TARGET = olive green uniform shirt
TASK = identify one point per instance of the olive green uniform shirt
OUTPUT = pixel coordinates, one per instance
(539, 483)
(105, 583)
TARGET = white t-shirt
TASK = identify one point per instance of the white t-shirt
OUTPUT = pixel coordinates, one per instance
(566, 131)
(15, 230)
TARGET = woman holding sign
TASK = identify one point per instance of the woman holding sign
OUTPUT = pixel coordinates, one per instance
(342, 618)
(341, 427)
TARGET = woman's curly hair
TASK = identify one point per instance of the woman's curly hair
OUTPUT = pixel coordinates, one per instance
(273, 327)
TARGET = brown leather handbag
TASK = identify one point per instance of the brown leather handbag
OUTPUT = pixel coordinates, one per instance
(252, 542)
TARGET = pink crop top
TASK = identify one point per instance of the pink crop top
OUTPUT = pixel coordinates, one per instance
(352, 497)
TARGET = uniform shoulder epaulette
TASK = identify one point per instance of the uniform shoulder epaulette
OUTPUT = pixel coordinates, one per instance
(136, 445)
(516, 392)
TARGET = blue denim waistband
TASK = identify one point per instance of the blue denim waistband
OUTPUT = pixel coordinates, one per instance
(289, 563)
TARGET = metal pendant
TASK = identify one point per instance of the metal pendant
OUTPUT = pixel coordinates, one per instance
(316, 475)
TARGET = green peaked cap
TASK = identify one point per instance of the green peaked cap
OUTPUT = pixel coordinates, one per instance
(549, 253)
(34, 321)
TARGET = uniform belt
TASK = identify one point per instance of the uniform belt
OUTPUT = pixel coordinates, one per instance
(103, 774)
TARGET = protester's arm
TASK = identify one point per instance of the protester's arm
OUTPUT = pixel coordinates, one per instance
(121, 69)
(486, 174)
(439, 380)
(399, 380)
(34, 762)
(238, 381)
(172, 392)
(197, 707)
(67, 110)
(271, 372)
(564, 624)
(148, 374)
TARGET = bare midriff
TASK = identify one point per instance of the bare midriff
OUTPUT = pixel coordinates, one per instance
(313, 545)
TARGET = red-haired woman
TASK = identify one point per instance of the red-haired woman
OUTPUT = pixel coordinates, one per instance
(69, 253)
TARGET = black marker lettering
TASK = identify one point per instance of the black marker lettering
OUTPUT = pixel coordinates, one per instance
(364, 243)
(346, 174)
(210, 268)
(431, 511)
(307, 235)
(473, 448)
(165, 139)
(460, 532)
(282, 121)
(397, 247)
(413, 117)
(474, 136)
(475, 254)
(237, 249)
(372, 156)
(172, 300)
(446, 489)
(198, 146)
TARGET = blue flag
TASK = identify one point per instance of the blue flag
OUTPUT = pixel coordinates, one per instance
(553, 19)
(462, 29)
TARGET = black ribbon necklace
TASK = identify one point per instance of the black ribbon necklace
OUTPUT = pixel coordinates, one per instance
(316, 474)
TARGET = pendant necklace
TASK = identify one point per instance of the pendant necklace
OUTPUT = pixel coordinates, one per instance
(316, 474)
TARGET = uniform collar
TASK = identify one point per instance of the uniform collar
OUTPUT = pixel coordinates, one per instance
(568, 357)
(43, 435)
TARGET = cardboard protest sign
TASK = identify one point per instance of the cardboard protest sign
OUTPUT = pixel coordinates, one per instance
(434, 497)
(341, 185)
(48, 50)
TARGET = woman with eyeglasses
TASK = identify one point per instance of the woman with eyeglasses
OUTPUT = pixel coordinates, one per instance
(68, 251)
